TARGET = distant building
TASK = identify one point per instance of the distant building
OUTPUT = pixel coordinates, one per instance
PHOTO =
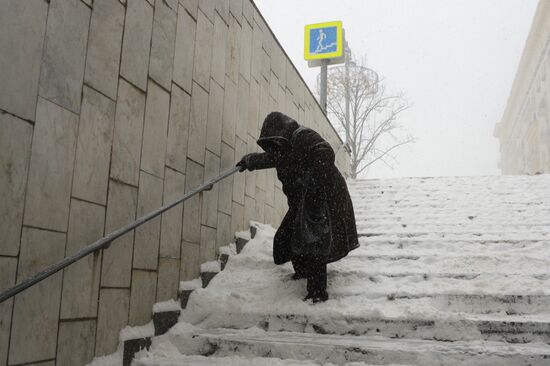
(524, 131)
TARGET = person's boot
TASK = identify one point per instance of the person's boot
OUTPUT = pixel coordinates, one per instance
(317, 285)
(317, 297)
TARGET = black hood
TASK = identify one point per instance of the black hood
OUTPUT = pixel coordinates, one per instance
(277, 130)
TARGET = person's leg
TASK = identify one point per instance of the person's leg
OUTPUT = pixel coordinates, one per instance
(317, 282)
(300, 268)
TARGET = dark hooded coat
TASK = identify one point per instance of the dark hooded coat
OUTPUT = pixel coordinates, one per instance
(305, 165)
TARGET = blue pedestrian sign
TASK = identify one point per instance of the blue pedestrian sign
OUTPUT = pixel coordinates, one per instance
(323, 41)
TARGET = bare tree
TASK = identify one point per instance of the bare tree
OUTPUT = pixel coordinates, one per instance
(369, 118)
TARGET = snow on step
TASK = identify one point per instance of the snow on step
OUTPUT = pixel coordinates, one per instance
(393, 300)
(167, 354)
(461, 259)
(320, 349)
(341, 350)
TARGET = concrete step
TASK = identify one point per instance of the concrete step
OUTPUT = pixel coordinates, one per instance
(376, 276)
(414, 319)
(434, 263)
(454, 219)
(446, 194)
(490, 182)
(502, 304)
(452, 215)
(516, 239)
(484, 303)
(466, 235)
(446, 191)
(513, 294)
(466, 228)
(170, 357)
(458, 213)
(450, 196)
(378, 245)
(373, 349)
(447, 218)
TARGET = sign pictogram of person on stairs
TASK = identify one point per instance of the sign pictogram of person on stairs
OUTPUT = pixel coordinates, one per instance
(321, 47)
(319, 227)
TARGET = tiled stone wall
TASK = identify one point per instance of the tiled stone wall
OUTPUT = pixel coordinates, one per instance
(108, 109)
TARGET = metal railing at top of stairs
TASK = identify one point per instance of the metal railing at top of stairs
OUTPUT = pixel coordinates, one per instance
(105, 242)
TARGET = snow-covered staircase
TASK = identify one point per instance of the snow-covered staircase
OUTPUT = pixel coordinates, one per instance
(451, 271)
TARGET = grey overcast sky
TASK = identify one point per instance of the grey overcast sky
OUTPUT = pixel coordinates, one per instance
(454, 59)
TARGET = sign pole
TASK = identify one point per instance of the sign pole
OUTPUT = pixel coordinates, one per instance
(323, 86)
(323, 46)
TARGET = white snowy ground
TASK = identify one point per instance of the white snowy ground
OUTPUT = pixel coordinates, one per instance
(359, 285)
(438, 250)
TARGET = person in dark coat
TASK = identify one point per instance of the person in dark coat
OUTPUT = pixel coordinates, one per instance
(319, 227)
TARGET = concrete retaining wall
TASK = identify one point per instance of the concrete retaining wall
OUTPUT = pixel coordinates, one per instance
(108, 109)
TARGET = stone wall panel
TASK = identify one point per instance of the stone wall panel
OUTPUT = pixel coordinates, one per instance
(76, 343)
(147, 236)
(224, 234)
(142, 296)
(226, 186)
(239, 178)
(257, 58)
(51, 167)
(210, 198)
(192, 206)
(248, 11)
(192, 6)
(254, 119)
(15, 152)
(170, 236)
(232, 51)
(104, 46)
(168, 279)
(31, 337)
(117, 259)
(114, 305)
(178, 129)
(163, 44)
(222, 7)
(219, 48)
(197, 124)
(184, 50)
(190, 261)
(250, 177)
(214, 118)
(128, 132)
(207, 244)
(81, 279)
(237, 217)
(20, 68)
(245, 50)
(63, 61)
(136, 45)
(259, 212)
(203, 50)
(243, 94)
(236, 9)
(93, 149)
(229, 112)
(153, 150)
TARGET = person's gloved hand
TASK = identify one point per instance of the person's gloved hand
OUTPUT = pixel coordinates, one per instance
(246, 163)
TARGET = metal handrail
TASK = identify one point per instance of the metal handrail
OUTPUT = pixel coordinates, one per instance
(104, 242)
